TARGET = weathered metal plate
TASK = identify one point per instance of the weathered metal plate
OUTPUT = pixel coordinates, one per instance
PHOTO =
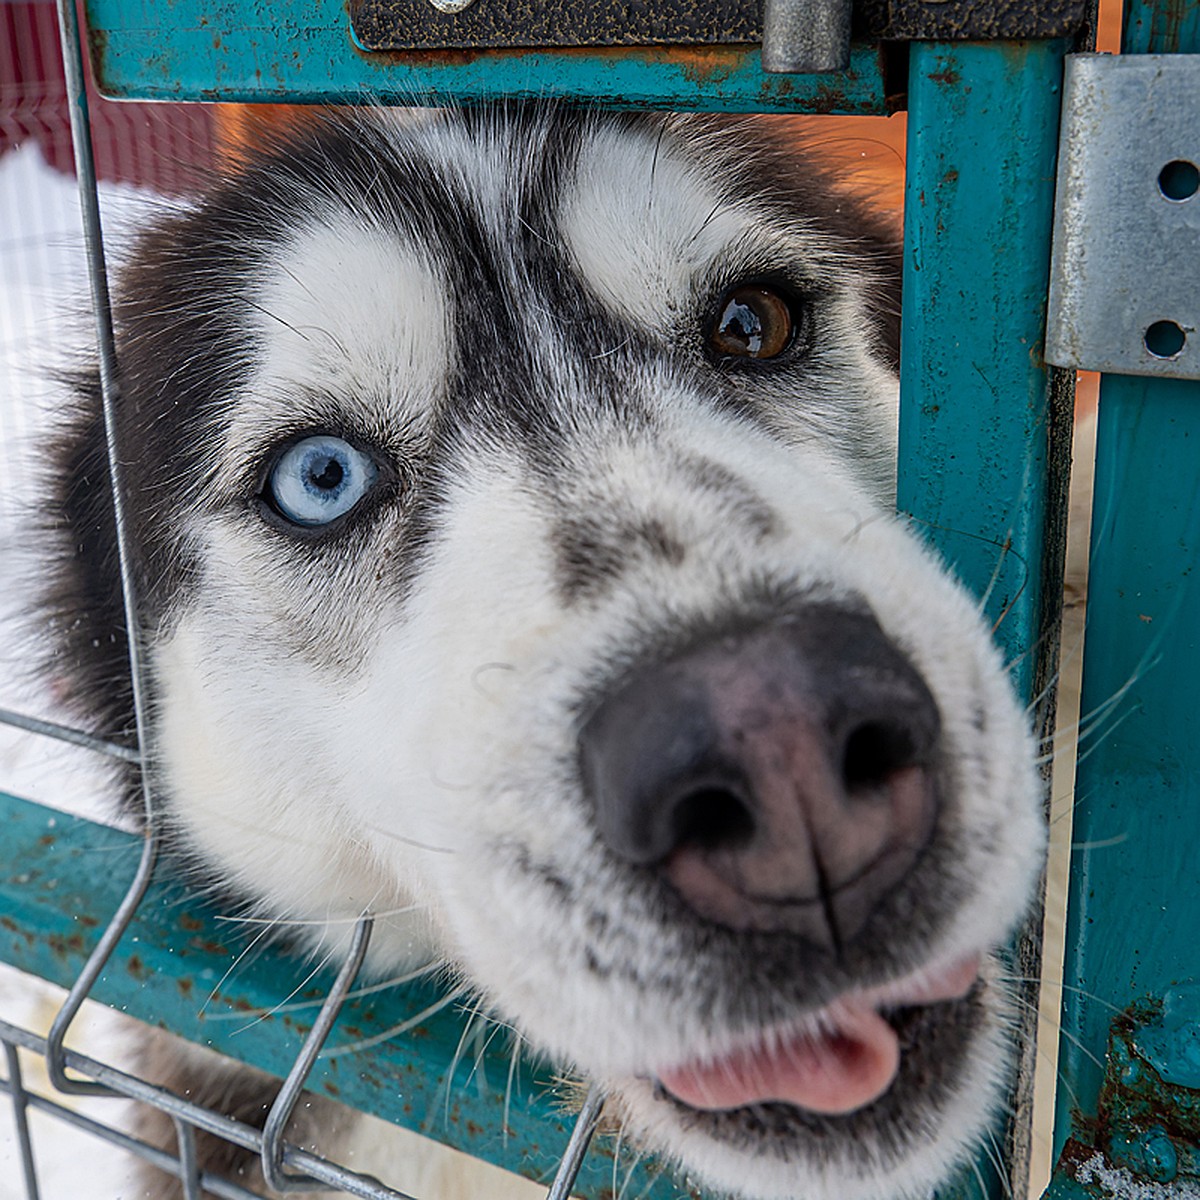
(968, 20)
(419, 25)
(422, 25)
(1124, 296)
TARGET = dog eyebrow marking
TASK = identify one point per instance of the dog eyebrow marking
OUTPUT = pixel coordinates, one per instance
(591, 554)
(641, 224)
(354, 311)
(600, 541)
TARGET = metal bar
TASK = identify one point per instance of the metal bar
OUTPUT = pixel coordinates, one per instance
(118, 1083)
(974, 414)
(978, 470)
(1132, 906)
(293, 1085)
(221, 1188)
(193, 50)
(64, 733)
(577, 1147)
(189, 1167)
(89, 201)
(20, 1105)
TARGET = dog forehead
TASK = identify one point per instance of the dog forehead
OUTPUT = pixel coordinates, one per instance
(644, 221)
(350, 308)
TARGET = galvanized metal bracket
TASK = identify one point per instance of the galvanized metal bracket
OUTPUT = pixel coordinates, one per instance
(1125, 260)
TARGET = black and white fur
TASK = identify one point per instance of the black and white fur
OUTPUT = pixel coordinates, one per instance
(507, 309)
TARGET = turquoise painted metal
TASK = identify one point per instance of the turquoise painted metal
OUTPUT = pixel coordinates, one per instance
(252, 51)
(1133, 930)
(1134, 902)
(975, 413)
(181, 967)
(976, 472)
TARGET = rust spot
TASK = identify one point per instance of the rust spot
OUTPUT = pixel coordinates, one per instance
(87, 922)
(190, 923)
(136, 967)
(9, 924)
(951, 176)
(332, 1088)
(47, 839)
(241, 1004)
(950, 77)
(427, 59)
(1143, 617)
(185, 987)
(474, 1129)
(65, 947)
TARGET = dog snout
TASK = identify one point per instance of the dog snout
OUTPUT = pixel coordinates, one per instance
(781, 778)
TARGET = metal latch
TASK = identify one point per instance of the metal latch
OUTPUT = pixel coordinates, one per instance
(1125, 261)
(797, 35)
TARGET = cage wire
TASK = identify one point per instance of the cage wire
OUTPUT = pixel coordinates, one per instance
(34, 112)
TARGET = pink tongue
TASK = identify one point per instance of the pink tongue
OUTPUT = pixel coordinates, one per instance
(824, 1073)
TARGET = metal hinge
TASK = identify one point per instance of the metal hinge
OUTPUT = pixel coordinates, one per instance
(1125, 261)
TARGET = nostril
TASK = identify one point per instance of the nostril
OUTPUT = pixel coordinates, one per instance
(712, 817)
(873, 751)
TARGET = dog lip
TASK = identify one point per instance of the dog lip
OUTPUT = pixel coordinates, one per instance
(841, 1058)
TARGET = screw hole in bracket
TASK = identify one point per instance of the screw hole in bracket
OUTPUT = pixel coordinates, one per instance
(1164, 339)
(1179, 180)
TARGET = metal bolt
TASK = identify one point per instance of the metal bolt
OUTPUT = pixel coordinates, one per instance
(806, 36)
(1160, 1159)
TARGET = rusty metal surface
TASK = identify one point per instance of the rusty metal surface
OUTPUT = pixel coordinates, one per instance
(1146, 1131)
(419, 24)
(968, 20)
(217, 50)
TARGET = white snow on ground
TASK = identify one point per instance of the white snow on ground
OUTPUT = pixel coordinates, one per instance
(43, 306)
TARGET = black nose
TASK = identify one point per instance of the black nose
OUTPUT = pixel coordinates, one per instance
(779, 778)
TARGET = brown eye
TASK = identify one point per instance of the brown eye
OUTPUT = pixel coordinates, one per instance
(753, 322)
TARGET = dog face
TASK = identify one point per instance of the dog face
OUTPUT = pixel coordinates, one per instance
(512, 516)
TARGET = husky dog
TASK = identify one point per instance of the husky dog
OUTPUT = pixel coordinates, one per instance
(510, 493)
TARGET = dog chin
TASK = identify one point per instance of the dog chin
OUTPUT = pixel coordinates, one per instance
(857, 1102)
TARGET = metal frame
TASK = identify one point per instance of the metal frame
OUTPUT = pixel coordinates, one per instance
(973, 265)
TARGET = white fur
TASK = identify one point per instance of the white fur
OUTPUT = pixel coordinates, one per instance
(335, 745)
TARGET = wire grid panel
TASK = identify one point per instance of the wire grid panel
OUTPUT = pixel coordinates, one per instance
(101, 1079)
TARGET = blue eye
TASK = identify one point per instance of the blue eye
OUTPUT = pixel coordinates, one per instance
(320, 479)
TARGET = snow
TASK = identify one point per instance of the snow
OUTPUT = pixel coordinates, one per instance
(1123, 1185)
(43, 307)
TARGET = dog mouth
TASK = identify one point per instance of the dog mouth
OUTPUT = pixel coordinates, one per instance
(842, 1058)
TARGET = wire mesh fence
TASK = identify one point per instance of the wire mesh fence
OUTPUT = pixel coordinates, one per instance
(160, 149)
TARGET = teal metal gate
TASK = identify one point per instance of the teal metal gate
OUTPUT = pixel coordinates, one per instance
(984, 442)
